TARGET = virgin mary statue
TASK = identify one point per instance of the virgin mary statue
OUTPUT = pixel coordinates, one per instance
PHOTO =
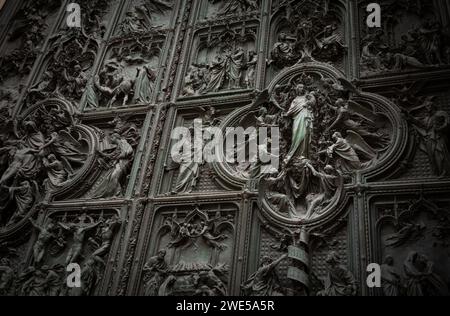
(302, 125)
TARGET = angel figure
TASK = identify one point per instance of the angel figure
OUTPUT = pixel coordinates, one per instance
(186, 233)
(372, 60)
(345, 88)
(266, 110)
(346, 157)
(406, 231)
(79, 231)
(263, 119)
(329, 38)
(212, 237)
(346, 110)
(67, 148)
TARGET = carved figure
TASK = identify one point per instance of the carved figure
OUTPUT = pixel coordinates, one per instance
(115, 161)
(7, 278)
(390, 278)
(156, 269)
(118, 84)
(46, 234)
(421, 280)
(339, 281)
(265, 281)
(143, 87)
(107, 235)
(79, 231)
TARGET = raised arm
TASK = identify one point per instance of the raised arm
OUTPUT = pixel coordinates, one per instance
(89, 227)
(331, 106)
(313, 170)
(278, 261)
(336, 122)
(64, 226)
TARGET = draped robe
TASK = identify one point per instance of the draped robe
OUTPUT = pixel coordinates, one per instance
(301, 127)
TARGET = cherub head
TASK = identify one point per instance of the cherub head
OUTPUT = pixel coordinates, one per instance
(340, 102)
(162, 254)
(429, 103)
(50, 225)
(115, 138)
(262, 111)
(328, 169)
(30, 125)
(89, 263)
(51, 158)
(337, 136)
(282, 37)
(300, 89)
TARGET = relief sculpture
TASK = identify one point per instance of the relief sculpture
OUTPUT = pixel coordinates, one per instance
(327, 135)
(193, 259)
(220, 148)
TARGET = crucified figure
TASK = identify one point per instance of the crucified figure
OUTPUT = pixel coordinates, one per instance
(79, 233)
